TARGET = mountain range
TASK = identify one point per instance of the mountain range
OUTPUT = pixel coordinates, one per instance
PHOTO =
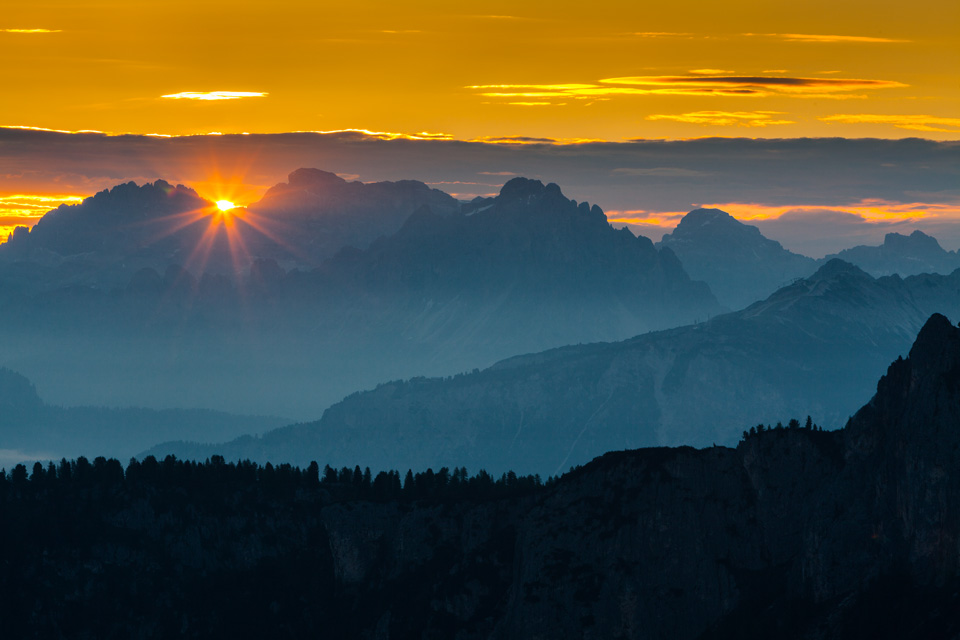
(814, 347)
(104, 240)
(523, 271)
(903, 255)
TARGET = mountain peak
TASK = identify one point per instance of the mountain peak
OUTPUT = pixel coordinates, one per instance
(836, 267)
(305, 177)
(739, 263)
(916, 242)
(701, 217)
(937, 347)
(522, 188)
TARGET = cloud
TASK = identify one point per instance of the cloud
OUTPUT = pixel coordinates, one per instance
(779, 84)
(31, 30)
(385, 135)
(215, 95)
(709, 72)
(662, 34)
(660, 172)
(696, 83)
(809, 37)
(914, 122)
(536, 104)
(818, 231)
(726, 118)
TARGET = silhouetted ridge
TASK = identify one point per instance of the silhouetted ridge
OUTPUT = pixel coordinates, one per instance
(903, 255)
(313, 178)
(116, 220)
(521, 188)
(699, 218)
(917, 242)
(837, 267)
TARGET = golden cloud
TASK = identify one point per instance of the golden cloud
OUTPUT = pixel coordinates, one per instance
(663, 34)
(24, 209)
(31, 30)
(914, 122)
(726, 118)
(779, 84)
(870, 211)
(810, 37)
(215, 95)
(700, 82)
(387, 135)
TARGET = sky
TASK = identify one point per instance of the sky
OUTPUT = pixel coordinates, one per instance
(564, 73)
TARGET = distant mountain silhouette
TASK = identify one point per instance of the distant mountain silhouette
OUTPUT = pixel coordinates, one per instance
(735, 259)
(524, 271)
(108, 237)
(37, 429)
(796, 533)
(318, 213)
(903, 255)
(813, 347)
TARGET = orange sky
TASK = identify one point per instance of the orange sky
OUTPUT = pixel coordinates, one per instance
(575, 70)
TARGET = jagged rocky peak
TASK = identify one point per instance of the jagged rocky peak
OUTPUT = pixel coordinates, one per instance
(739, 263)
(916, 243)
(116, 220)
(937, 348)
(702, 222)
(159, 194)
(700, 217)
(304, 177)
(907, 439)
(917, 404)
(527, 193)
(524, 188)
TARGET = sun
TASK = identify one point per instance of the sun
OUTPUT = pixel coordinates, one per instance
(225, 205)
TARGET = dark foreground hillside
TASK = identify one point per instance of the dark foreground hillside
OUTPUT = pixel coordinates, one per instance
(796, 533)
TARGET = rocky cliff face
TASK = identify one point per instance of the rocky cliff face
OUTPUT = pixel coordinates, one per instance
(796, 533)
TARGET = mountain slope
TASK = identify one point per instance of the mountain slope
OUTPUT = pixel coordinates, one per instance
(811, 348)
(735, 259)
(796, 533)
